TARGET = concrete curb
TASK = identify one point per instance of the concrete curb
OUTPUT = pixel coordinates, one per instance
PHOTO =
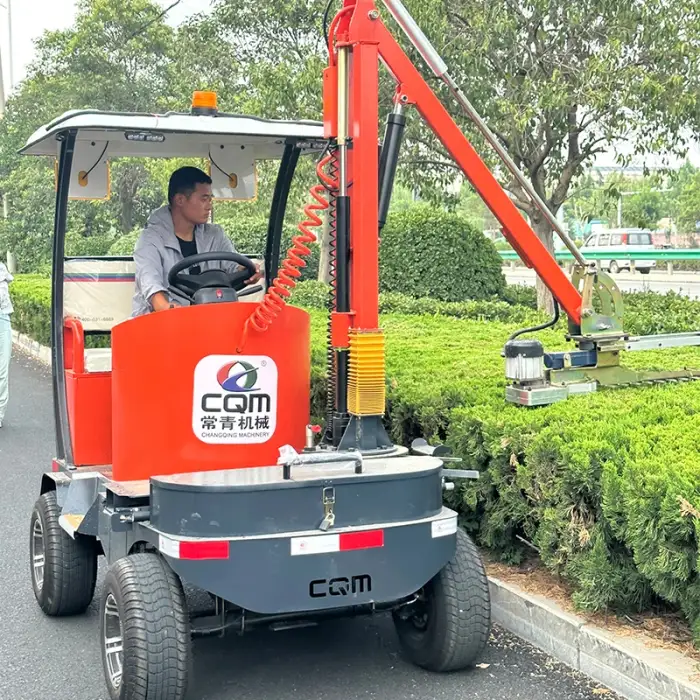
(623, 664)
(32, 347)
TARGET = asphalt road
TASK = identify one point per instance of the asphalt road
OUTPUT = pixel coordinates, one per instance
(660, 282)
(49, 659)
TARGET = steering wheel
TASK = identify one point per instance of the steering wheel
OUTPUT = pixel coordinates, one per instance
(190, 284)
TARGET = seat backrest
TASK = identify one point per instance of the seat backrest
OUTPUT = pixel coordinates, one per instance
(98, 290)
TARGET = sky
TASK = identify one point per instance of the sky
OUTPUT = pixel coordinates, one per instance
(30, 18)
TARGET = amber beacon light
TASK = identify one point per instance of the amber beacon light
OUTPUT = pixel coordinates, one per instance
(204, 102)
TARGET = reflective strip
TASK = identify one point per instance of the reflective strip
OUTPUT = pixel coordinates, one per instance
(193, 549)
(342, 542)
(361, 540)
(171, 548)
(320, 544)
(443, 528)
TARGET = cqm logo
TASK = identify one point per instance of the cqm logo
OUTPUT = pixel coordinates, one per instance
(238, 376)
(234, 399)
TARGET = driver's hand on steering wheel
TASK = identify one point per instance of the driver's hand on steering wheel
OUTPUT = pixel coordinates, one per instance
(256, 277)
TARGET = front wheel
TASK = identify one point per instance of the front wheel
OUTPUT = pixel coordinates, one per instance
(645, 270)
(144, 630)
(63, 569)
(614, 268)
(448, 627)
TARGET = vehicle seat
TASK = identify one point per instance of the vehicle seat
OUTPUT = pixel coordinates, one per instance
(98, 293)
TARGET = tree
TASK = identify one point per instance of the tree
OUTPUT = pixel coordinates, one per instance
(114, 57)
(644, 208)
(560, 82)
(689, 204)
(592, 197)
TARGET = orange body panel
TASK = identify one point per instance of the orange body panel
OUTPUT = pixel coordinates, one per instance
(89, 398)
(183, 400)
(90, 417)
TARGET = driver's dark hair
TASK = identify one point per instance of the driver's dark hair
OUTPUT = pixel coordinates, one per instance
(185, 181)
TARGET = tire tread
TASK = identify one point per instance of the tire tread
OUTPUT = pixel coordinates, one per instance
(460, 630)
(155, 624)
(70, 565)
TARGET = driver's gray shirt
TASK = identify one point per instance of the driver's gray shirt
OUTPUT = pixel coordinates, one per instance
(158, 249)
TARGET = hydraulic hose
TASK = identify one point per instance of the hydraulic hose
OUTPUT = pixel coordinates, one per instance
(549, 324)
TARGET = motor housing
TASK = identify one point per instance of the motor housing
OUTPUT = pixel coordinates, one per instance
(524, 361)
(525, 369)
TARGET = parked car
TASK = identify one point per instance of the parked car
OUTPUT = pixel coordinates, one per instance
(618, 241)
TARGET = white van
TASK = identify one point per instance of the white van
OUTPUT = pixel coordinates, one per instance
(618, 241)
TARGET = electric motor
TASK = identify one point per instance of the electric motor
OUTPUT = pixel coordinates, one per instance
(524, 361)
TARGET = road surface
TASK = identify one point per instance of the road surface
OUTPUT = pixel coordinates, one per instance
(661, 282)
(49, 659)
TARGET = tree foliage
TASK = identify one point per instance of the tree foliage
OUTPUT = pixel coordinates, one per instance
(557, 83)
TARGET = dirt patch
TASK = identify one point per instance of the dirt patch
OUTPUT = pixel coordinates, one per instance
(665, 629)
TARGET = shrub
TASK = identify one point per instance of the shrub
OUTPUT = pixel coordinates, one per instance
(426, 252)
(648, 313)
(31, 299)
(125, 244)
(78, 244)
(313, 294)
(249, 235)
(520, 294)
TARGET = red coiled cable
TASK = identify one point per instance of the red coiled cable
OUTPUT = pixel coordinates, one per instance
(276, 297)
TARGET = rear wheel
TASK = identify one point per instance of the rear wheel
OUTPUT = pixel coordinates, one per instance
(63, 569)
(144, 631)
(645, 270)
(448, 627)
(614, 268)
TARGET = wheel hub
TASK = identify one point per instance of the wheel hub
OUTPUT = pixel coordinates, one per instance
(38, 554)
(113, 642)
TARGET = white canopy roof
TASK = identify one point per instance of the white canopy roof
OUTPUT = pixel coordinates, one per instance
(176, 135)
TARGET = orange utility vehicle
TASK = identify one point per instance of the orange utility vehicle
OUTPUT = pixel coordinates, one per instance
(184, 451)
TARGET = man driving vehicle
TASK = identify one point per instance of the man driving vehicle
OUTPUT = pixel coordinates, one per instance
(176, 231)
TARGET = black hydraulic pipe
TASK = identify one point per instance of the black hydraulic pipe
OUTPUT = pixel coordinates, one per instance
(342, 300)
(532, 329)
(278, 209)
(343, 255)
(388, 162)
(64, 448)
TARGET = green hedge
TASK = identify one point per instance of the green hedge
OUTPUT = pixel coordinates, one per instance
(31, 299)
(427, 252)
(606, 486)
(249, 235)
(315, 295)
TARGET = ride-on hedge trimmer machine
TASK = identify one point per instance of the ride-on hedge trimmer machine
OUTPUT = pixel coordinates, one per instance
(184, 450)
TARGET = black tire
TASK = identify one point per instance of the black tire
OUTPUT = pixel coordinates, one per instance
(614, 268)
(66, 585)
(645, 270)
(449, 628)
(154, 627)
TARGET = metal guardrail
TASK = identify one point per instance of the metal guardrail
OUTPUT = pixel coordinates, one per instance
(669, 254)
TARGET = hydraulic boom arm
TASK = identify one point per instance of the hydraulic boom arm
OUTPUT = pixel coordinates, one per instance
(359, 27)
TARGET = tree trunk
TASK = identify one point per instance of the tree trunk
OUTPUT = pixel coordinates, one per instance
(546, 235)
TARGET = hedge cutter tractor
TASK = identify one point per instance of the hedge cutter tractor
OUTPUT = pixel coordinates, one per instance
(184, 450)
